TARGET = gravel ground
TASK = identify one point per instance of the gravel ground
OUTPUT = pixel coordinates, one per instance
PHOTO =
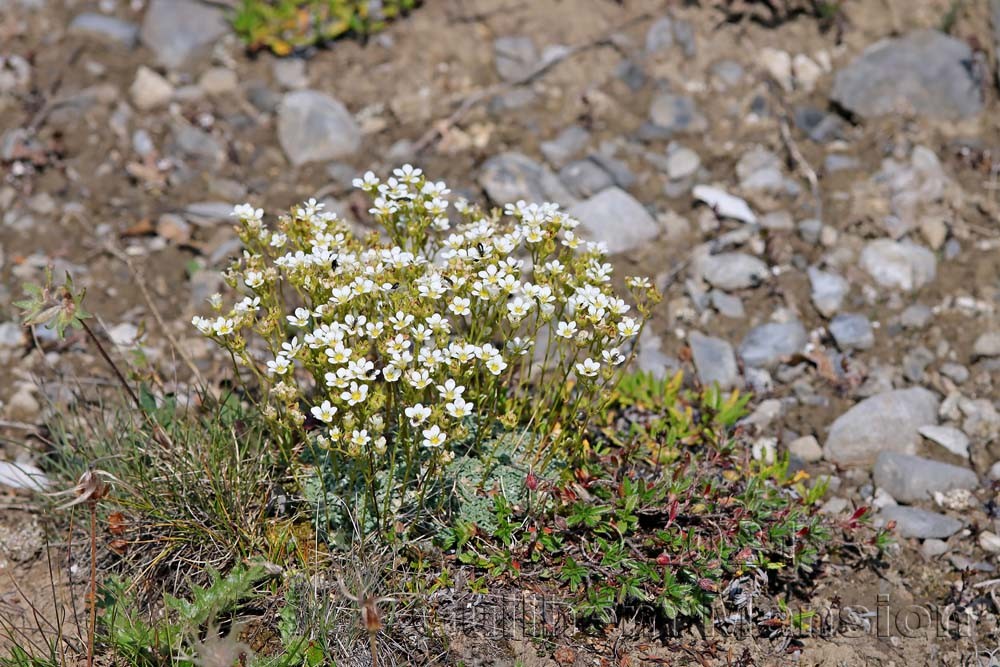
(820, 209)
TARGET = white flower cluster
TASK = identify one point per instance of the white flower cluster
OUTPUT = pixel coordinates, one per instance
(462, 318)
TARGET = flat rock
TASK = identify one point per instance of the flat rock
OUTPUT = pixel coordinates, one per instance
(676, 113)
(987, 345)
(567, 145)
(724, 204)
(909, 478)
(149, 89)
(889, 421)
(806, 448)
(926, 72)
(948, 437)
(179, 31)
(767, 344)
(617, 219)
(733, 270)
(23, 476)
(681, 163)
(516, 57)
(510, 177)
(898, 264)
(314, 127)
(714, 360)
(828, 290)
(852, 331)
(729, 305)
(920, 524)
(105, 28)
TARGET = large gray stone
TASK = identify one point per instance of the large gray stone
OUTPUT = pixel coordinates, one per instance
(105, 28)
(767, 344)
(920, 524)
(714, 360)
(314, 127)
(897, 264)
(910, 478)
(886, 422)
(926, 72)
(179, 31)
(509, 177)
(617, 219)
(852, 331)
(733, 270)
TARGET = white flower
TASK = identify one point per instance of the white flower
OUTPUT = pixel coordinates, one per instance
(496, 364)
(638, 282)
(300, 318)
(438, 323)
(324, 412)
(450, 390)
(566, 329)
(338, 354)
(517, 309)
(360, 438)
(459, 408)
(203, 324)
(417, 414)
(613, 357)
(279, 366)
(588, 367)
(400, 320)
(215, 301)
(460, 306)
(628, 327)
(418, 379)
(408, 173)
(368, 183)
(223, 326)
(433, 437)
(356, 394)
(278, 240)
(391, 373)
(247, 305)
(247, 213)
(254, 279)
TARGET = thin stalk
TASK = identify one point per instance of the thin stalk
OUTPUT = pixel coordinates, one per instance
(91, 631)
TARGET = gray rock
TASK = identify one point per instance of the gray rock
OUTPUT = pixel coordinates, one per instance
(767, 344)
(179, 31)
(898, 264)
(515, 57)
(932, 548)
(724, 204)
(921, 524)
(836, 162)
(632, 74)
(314, 127)
(852, 331)
(777, 221)
(912, 478)
(828, 291)
(568, 144)
(916, 316)
(948, 437)
(208, 213)
(290, 73)
(660, 35)
(23, 476)
(650, 358)
(727, 74)
(733, 270)
(11, 335)
(956, 372)
(727, 304)
(818, 125)
(915, 362)
(806, 448)
(760, 170)
(987, 345)
(617, 169)
(106, 28)
(684, 34)
(676, 113)
(681, 163)
(262, 97)
(219, 81)
(509, 177)
(584, 178)
(926, 72)
(509, 100)
(197, 145)
(617, 219)
(810, 230)
(888, 422)
(714, 361)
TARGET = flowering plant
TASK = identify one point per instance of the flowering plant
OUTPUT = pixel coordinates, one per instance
(396, 355)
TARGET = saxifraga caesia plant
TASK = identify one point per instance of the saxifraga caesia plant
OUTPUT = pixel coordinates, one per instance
(387, 356)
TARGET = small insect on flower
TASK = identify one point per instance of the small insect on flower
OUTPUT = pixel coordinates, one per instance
(433, 437)
(588, 367)
(324, 412)
(417, 414)
(613, 356)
